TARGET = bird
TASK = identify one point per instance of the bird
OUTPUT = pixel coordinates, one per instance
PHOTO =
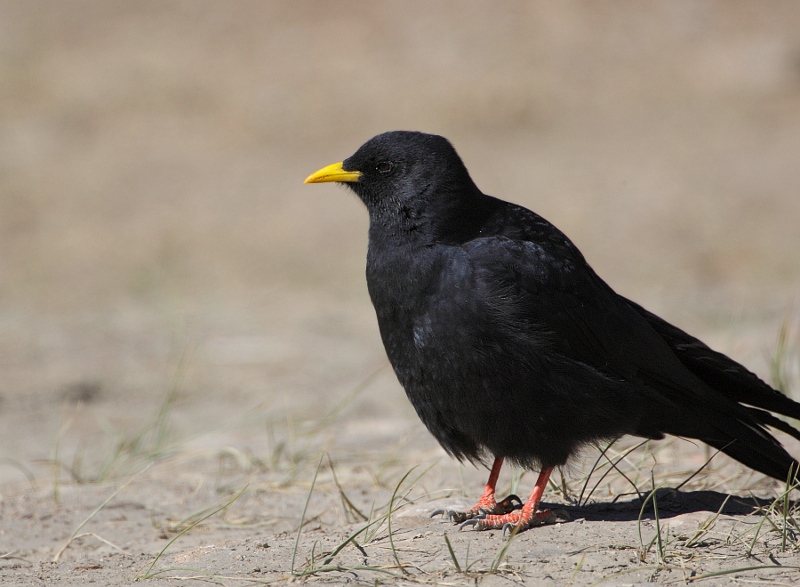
(510, 347)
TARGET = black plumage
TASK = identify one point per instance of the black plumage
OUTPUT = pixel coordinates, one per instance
(509, 345)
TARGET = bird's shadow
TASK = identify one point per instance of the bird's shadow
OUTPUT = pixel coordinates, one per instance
(670, 503)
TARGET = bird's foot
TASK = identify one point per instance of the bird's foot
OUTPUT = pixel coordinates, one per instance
(486, 507)
(513, 521)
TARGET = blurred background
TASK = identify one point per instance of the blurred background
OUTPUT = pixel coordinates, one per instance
(153, 218)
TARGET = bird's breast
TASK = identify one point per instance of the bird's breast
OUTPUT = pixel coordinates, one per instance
(422, 303)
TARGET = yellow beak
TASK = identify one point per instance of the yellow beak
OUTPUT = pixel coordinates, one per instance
(333, 173)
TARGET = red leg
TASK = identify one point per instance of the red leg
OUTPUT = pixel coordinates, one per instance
(487, 504)
(525, 518)
(487, 501)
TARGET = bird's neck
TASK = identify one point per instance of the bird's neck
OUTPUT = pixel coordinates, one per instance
(426, 220)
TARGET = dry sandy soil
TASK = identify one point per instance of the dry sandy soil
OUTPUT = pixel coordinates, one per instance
(193, 388)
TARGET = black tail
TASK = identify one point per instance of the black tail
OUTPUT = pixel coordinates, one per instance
(746, 439)
(757, 449)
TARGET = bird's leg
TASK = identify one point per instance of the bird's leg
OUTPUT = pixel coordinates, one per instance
(525, 518)
(487, 504)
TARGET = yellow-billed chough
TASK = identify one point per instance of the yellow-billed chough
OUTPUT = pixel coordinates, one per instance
(509, 346)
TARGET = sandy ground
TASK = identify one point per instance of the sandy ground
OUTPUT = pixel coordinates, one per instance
(192, 380)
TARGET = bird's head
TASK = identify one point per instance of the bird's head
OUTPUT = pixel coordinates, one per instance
(399, 170)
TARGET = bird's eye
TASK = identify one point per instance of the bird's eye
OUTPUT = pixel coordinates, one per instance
(384, 166)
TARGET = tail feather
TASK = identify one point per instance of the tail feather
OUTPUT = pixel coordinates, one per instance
(720, 372)
(762, 456)
(767, 419)
(740, 432)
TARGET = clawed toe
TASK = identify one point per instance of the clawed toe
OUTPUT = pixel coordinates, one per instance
(512, 522)
(456, 516)
(461, 517)
(508, 505)
(474, 521)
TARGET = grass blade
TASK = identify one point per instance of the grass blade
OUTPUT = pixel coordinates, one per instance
(149, 574)
(303, 515)
(452, 554)
(74, 534)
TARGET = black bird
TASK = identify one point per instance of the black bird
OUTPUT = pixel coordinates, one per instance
(509, 345)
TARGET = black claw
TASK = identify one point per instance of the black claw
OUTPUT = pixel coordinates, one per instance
(475, 521)
(452, 515)
(508, 526)
(459, 517)
(509, 504)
